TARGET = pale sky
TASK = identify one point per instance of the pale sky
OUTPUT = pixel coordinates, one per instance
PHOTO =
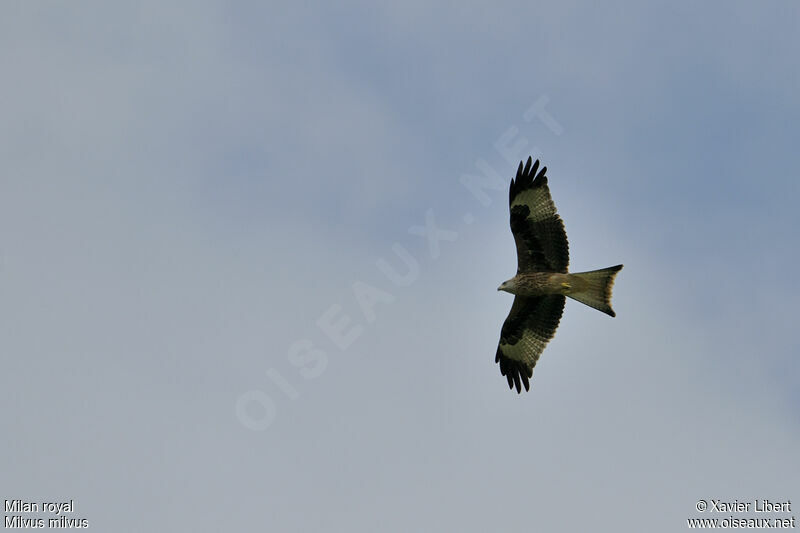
(208, 321)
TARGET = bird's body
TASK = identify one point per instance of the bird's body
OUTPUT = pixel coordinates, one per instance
(542, 282)
(592, 288)
(538, 284)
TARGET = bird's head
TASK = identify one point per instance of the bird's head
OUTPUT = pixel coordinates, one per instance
(508, 286)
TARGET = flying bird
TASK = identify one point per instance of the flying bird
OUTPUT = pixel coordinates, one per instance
(542, 281)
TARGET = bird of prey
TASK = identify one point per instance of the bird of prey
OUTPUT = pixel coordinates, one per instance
(542, 281)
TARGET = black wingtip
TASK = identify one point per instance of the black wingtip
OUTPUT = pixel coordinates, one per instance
(516, 373)
(528, 176)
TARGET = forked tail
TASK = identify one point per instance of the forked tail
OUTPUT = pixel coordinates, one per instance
(594, 288)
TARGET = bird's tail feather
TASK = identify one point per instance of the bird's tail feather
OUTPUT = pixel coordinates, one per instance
(594, 288)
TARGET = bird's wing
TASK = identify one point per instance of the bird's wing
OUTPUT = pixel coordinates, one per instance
(530, 324)
(537, 228)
